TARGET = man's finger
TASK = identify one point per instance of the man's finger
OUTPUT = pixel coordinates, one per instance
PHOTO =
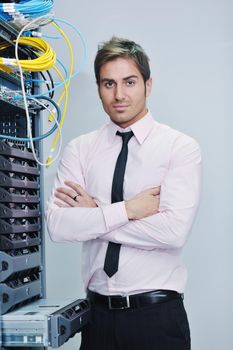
(64, 198)
(76, 187)
(154, 190)
(61, 204)
(66, 191)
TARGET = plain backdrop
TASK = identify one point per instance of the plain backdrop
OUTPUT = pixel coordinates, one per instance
(190, 45)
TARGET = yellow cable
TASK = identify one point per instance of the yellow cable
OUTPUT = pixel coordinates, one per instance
(51, 118)
(44, 61)
(66, 84)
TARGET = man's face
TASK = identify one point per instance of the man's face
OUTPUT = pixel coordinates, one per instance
(123, 92)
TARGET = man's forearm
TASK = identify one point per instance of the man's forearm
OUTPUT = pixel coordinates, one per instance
(164, 230)
(86, 221)
(80, 223)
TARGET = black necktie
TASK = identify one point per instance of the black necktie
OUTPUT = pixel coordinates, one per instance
(113, 250)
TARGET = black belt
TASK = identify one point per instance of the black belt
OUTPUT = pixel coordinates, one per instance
(118, 302)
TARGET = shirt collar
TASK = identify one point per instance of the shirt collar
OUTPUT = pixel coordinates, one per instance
(141, 128)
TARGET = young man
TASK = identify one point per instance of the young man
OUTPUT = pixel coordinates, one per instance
(129, 191)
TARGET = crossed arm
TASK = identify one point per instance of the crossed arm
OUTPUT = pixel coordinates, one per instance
(145, 203)
(159, 217)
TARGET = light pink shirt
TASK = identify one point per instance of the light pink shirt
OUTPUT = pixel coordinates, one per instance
(150, 256)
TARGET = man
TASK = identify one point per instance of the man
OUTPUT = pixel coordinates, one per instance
(129, 191)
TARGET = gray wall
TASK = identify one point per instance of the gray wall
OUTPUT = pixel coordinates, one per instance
(190, 43)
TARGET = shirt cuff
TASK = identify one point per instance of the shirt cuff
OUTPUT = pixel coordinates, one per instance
(115, 215)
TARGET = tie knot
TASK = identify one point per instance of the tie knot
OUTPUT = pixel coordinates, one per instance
(126, 136)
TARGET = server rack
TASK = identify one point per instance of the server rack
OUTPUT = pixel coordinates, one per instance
(28, 319)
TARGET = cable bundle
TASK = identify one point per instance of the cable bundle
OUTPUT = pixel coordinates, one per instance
(44, 61)
(25, 8)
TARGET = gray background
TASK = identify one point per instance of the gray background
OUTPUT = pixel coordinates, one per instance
(190, 43)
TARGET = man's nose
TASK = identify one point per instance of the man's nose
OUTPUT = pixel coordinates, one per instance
(119, 93)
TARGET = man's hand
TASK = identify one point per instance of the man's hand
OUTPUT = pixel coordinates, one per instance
(145, 203)
(67, 194)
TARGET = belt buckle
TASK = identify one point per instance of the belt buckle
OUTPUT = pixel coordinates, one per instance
(125, 300)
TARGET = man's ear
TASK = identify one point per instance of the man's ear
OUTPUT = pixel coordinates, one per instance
(148, 86)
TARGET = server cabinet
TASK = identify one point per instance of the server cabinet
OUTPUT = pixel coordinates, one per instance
(28, 319)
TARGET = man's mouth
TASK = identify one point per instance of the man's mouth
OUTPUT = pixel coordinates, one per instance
(120, 106)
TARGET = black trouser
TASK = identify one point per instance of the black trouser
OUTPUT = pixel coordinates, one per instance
(160, 326)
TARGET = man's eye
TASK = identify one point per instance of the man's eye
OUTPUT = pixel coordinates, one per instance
(109, 84)
(130, 83)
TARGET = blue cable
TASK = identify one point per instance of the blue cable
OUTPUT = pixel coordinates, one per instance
(43, 136)
(30, 33)
(82, 64)
(51, 36)
(28, 8)
(28, 80)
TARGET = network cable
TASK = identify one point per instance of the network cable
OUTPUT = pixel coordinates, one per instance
(39, 138)
(51, 94)
(83, 61)
(26, 8)
(43, 136)
(50, 90)
(65, 92)
(65, 83)
(44, 61)
(49, 161)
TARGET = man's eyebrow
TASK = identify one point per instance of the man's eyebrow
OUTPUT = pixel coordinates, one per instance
(130, 77)
(109, 80)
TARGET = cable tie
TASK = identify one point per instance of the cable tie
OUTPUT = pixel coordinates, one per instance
(10, 8)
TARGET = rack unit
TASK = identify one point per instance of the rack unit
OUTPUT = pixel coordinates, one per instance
(44, 323)
(21, 280)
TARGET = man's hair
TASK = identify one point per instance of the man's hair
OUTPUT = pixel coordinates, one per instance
(121, 48)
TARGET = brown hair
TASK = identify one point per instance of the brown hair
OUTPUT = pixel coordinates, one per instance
(124, 48)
